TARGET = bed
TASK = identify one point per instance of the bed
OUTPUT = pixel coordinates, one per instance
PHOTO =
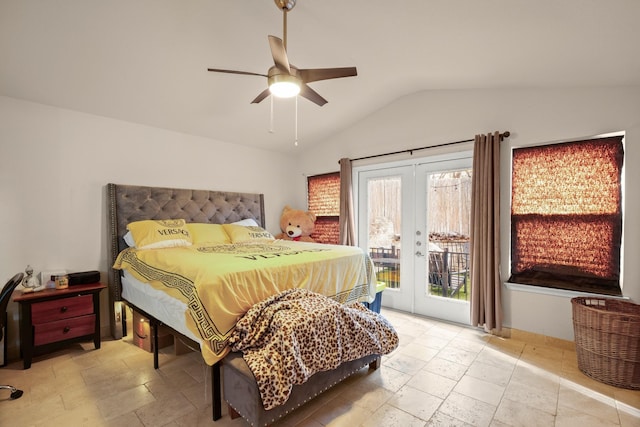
(134, 286)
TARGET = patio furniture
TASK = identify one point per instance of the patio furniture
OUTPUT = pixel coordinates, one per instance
(447, 271)
(387, 265)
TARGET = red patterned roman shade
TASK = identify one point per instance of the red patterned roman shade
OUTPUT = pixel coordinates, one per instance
(324, 201)
(566, 215)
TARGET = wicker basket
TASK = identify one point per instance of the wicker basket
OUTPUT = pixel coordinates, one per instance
(607, 337)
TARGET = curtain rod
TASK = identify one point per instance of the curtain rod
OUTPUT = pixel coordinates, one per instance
(410, 151)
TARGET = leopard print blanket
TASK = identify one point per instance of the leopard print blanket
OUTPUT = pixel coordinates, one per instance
(287, 338)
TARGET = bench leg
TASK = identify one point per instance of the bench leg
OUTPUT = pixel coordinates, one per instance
(232, 412)
(375, 364)
(154, 331)
(216, 392)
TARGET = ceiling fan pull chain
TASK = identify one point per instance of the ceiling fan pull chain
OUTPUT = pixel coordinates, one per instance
(271, 117)
(284, 28)
(296, 128)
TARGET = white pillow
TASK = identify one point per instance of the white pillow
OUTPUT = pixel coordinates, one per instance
(249, 222)
(128, 239)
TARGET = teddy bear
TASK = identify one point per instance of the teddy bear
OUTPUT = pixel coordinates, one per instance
(296, 225)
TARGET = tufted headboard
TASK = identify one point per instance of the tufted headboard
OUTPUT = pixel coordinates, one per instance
(127, 203)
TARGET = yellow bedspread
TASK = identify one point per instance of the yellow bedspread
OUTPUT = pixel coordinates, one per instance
(219, 283)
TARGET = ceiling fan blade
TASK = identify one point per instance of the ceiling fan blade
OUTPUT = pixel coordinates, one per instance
(247, 73)
(315, 74)
(312, 95)
(279, 54)
(262, 96)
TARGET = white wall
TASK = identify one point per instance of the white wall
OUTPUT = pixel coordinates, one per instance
(56, 163)
(532, 116)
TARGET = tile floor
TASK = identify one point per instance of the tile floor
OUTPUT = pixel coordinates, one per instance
(441, 375)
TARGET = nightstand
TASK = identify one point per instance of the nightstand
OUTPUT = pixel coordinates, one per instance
(53, 318)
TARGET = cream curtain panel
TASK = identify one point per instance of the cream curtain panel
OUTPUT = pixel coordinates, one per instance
(347, 221)
(486, 298)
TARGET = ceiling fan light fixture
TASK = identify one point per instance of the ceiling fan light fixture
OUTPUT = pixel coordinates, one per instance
(284, 86)
(285, 4)
(285, 80)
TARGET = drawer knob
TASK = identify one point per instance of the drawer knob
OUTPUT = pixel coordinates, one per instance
(66, 329)
(63, 309)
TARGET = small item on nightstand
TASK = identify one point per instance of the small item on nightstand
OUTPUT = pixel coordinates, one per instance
(30, 282)
(62, 281)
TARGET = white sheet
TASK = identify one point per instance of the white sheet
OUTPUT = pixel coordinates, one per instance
(169, 311)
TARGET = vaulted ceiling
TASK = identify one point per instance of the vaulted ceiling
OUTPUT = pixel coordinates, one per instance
(145, 61)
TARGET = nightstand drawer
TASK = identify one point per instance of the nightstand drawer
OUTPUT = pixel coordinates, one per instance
(46, 333)
(63, 308)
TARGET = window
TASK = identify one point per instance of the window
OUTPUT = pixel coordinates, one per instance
(323, 194)
(566, 215)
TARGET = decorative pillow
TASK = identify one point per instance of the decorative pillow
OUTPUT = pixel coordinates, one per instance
(207, 233)
(154, 234)
(242, 233)
(249, 222)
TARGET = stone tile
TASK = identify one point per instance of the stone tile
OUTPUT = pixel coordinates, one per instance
(587, 401)
(440, 419)
(340, 412)
(388, 378)
(130, 419)
(508, 346)
(468, 409)
(464, 343)
(363, 396)
(497, 358)
(85, 415)
(526, 373)
(160, 412)
(125, 401)
(198, 394)
(629, 418)
(549, 358)
(103, 372)
(419, 351)
(519, 414)
(629, 409)
(479, 389)
(569, 417)
(537, 397)
(416, 402)
(442, 375)
(404, 363)
(457, 355)
(445, 331)
(433, 384)
(33, 414)
(126, 380)
(453, 371)
(390, 416)
(434, 342)
(490, 373)
(42, 390)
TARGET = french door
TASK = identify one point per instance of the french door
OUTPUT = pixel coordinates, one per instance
(413, 220)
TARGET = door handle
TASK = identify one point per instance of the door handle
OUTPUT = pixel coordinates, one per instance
(418, 253)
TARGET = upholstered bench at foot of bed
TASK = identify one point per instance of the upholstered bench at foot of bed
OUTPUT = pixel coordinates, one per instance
(243, 396)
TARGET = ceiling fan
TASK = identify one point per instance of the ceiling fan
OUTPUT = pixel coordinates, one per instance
(284, 79)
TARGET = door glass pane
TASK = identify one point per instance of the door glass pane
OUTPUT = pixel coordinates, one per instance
(384, 209)
(448, 222)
